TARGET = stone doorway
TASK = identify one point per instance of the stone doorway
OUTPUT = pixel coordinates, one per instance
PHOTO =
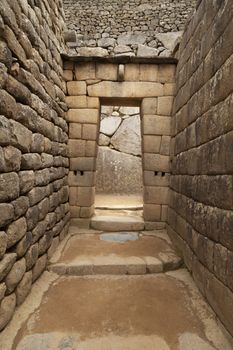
(119, 180)
(138, 83)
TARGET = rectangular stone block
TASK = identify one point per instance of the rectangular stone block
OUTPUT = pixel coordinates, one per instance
(151, 179)
(165, 145)
(148, 72)
(90, 116)
(156, 125)
(84, 71)
(68, 65)
(76, 148)
(82, 163)
(91, 149)
(68, 75)
(73, 194)
(164, 213)
(151, 212)
(106, 71)
(86, 196)
(151, 144)
(156, 162)
(75, 131)
(156, 195)
(132, 72)
(169, 89)
(74, 211)
(149, 105)
(125, 89)
(82, 102)
(85, 178)
(89, 132)
(75, 88)
(165, 104)
(166, 73)
(87, 212)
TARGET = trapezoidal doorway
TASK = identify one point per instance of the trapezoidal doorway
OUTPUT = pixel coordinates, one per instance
(149, 86)
(119, 180)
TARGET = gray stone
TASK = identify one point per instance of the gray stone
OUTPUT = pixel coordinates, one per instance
(131, 39)
(122, 49)
(146, 51)
(20, 205)
(109, 125)
(31, 256)
(127, 138)
(39, 267)
(129, 110)
(24, 287)
(3, 244)
(9, 187)
(15, 231)
(15, 275)
(6, 213)
(10, 159)
(104, 140)
(7, 309)
(26, 180)
(24, 244)
(92, 51)
(31, 161)
(6, 264)
(106, 42)
(169, 40)
(2, 290)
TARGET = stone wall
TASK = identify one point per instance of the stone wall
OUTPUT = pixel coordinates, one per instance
(200, 216)
(149, 86)
(135, 27)
(33, 134)
(119, 160)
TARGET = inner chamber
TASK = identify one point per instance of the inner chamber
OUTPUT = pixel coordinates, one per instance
(119, 162)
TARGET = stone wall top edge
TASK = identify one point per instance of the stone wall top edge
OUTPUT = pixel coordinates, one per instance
(121, 59)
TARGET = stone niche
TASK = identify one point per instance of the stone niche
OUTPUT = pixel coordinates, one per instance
(119, 160)
(148, 86)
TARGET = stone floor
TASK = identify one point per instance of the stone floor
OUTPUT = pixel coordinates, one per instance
(115, 291)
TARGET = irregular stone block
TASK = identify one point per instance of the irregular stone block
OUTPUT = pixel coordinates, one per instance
(24, 244)
(149, 106)
(37, 194)
(15, 275)
(39, 267)
(7, 309)
(131, 39)
(20, 205)
(92, 51)
(31, 256)
(10, 159)
(31, 161)
(106, 42)
(6, 213)
(6, 264)
(3, 243)
(15, 231)
(109, 125)
(23, 288)
(146, 51)
(9, 187)
(104, 140)
(148, 72)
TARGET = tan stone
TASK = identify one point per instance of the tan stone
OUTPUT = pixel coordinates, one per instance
(76, 88)
(82, 163)
(148, 72)
(149, 106)
(84, 71)
(89, 132)
(76, 148)
(151, 143)
(151, 179)
(74, 211)
(90, 116)
(82, 102)
(86, 196)
(68, 75)
(91, 149)
(87, 212)
(169, 89)
(68, 65)
(153, 265)
(156, 125)
(165, 105)
(151, 212)
(87, 178)
(125, 89)
(132, 72)
(156, 162)
(75, 131)
(73, 194)
(156, 195)
(164, 213)
(165, 145)
(106, 71)
(166, 73)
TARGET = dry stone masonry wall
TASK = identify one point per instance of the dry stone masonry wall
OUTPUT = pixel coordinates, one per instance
(119, 160)
(34, 208)
(135, 27)
(200, 216)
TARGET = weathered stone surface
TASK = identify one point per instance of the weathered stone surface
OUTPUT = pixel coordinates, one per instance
(7, 309)
(23, 288)
(10, 159)
(169, 40)
(109, 125)
(24, 244)
(9, 187)
(128, 137)
(6, 213)
(20, 205)
(39, 267)
(3, 243)
(105, 42)
(131, 39)
(15, 275)
(2, 291)
(145, 51)
(104, 140)
(6, 264)
(15, 231)
(31, 256)
(122, 49)
(31, 161)
(92, 51)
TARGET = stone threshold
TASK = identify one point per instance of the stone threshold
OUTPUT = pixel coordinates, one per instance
(120, 59)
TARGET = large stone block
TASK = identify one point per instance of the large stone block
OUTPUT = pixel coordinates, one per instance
(82, 163)
(151, 144)
(148, 72)
(75, 88)
(82, 102)
(6, 213)
(89, 132)
(156, 195)
(9, 187)
(151, 178)
(151, 212)
(166, 73)
(165, 105)
(15, 231)
(149, 106)
(85, 71)
(39, 267)
(90, 116)
(75, 131)
(10, 159)
(6, 264)
(15, 275)
(132, 72)
(125, 89)
(24, 288)
(3, 243)
(7, 309)
(86, 178)
(76, 148)
(106, 71)
(156, 125)
(156, 162)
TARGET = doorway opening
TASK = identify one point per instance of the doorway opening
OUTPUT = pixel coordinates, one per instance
(119, 180)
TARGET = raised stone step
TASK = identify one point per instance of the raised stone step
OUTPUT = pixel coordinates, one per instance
(121, 253)
(117, 223)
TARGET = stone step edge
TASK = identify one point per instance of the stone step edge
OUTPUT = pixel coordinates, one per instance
(128, 266)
